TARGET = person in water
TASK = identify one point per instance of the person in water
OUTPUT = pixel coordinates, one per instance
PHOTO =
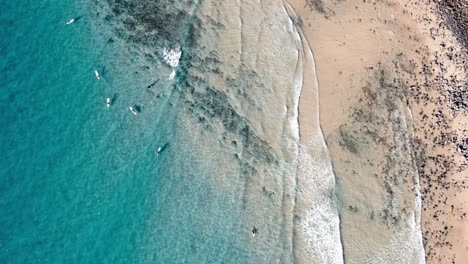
(254, 231)
(151, 85)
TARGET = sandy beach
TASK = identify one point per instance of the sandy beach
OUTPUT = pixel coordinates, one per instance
(392, 91)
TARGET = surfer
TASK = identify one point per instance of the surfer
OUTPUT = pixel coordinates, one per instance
(151, 85)
(254, 231)
(108, 101)
(97, 74)
(133, 110)
(159, 151)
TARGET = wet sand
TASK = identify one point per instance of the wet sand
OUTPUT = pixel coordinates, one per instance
(316, 223)
(391, 90)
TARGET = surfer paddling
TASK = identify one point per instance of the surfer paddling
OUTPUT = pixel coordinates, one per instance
(133, 110)
(151, 85)
(158, 152)
(108, 102)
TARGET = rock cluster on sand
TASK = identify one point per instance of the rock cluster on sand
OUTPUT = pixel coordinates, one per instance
(440, 107)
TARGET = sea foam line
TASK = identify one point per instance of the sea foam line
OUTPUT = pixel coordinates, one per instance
(318, 228)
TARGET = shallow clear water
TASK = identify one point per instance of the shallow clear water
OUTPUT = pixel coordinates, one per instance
(81, 183)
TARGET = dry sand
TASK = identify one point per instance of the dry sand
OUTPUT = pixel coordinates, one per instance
(393, 110)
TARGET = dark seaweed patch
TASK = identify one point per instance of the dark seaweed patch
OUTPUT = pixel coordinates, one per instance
(349, 140)
(157, 24)
(211, 105)
(157, 19)
(151, 24)
(379, 135)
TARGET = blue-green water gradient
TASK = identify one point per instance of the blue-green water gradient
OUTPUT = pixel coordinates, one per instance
(77, 180)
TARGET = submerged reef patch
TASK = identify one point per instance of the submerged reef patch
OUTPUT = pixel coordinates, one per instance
(164, 32)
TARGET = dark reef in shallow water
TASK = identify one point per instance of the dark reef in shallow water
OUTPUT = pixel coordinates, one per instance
(150, 24)
(156, 25)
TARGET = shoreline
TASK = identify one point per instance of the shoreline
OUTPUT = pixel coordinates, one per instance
(356, 241)
(315, 178)
(355, 46)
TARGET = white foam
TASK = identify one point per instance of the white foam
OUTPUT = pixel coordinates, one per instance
(296, 93)
(319, 223)
(172, 56)
(172, 75)
(318, 226)
(297, 86)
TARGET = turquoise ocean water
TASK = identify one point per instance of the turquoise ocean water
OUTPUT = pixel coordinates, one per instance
(81, 183)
